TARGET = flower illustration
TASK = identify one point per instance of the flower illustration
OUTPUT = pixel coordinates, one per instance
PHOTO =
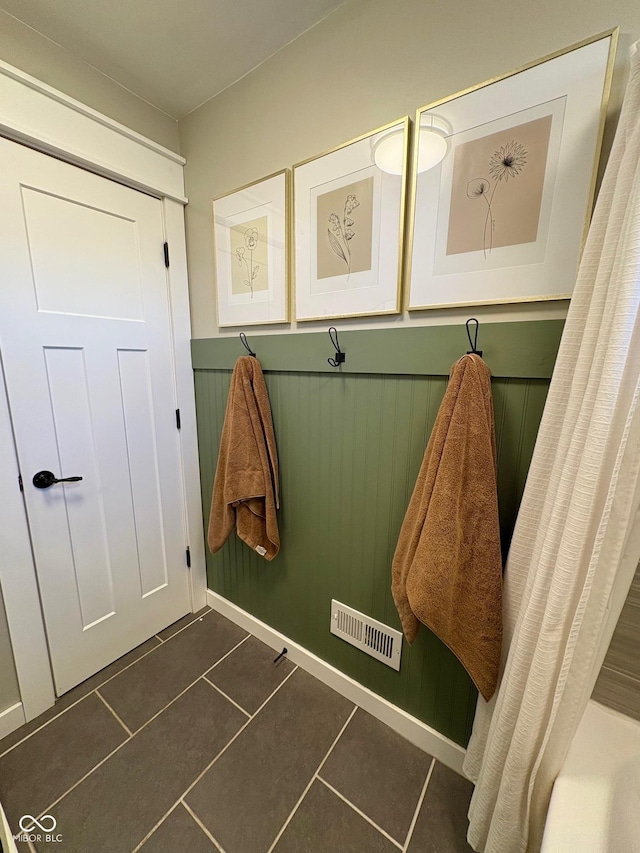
(351, 204)
(477, 188)
(343, 228)
(251, 238)
(250, 243)
(507, 162)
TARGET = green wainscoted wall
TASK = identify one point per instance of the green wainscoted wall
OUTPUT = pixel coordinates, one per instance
(350, 444)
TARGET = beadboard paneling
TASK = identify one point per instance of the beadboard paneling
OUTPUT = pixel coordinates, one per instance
(350, 446)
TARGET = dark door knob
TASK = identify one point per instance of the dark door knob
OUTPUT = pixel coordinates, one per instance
(44, 479)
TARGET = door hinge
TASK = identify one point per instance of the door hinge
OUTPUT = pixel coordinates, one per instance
(178, 418)
(20, 482)
(188, 552)
(166, 254)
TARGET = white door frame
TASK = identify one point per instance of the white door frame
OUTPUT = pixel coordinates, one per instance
(33, 113)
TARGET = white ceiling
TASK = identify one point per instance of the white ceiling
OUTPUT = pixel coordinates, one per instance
(176, 54)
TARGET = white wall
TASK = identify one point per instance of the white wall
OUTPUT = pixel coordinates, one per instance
(368, 63)
(31, 52)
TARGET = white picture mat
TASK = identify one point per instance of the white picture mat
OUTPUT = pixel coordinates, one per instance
(264, 198)
(578, 77)
(371, 292)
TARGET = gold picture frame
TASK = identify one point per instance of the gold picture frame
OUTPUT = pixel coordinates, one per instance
(503, 217)
(251, 236)
(348, 230)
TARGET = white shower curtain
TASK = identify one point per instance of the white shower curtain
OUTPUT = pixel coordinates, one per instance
(576, 540)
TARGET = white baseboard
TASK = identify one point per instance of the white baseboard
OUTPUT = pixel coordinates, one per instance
(11, 719)
(423, 736)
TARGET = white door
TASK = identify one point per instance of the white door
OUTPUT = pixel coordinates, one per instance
(85, 339)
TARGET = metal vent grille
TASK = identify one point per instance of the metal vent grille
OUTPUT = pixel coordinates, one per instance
(374, 638)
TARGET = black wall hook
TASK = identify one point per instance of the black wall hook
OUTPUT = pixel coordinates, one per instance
(340, 357)
(243, 338)
(473, 343)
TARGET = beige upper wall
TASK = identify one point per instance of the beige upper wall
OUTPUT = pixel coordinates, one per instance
(28, 50)
(370, 62)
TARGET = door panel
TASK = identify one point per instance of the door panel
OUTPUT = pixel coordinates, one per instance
(66, 258)
(83, 502)
(144, 476)
(85, 338)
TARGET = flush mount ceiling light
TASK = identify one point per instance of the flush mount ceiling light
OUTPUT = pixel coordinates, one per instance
(432, 142)
(387, 148)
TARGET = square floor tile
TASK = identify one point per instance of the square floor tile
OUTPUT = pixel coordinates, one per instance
(379, 772)
(43, 767)
(117, 805)
(249, 675)
(78, 692)
(147, 686)
(182, 623)
(324, 823)
(179, 833)
(442, 823)
(246, 796)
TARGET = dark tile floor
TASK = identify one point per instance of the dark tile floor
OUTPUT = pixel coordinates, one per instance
(196, 742)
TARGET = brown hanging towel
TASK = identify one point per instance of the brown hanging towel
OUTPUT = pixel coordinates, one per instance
(245, 491)
(447, 569)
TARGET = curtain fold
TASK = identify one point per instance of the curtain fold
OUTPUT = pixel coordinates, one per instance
(576, 539)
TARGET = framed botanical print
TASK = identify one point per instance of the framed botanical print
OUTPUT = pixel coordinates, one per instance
(251, 229)
(503, 217)
(348, 228)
